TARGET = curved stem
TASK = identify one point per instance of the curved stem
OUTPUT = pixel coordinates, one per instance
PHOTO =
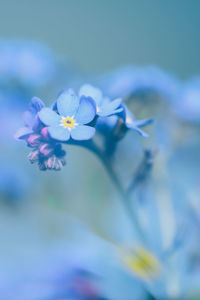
(124, 196)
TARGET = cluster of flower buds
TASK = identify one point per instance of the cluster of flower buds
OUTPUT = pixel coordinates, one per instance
(49, 155)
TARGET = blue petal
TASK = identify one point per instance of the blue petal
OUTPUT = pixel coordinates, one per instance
(112, 105)
(49, 117)
(90, 91)
(29, 118)
(141, 132)
(109, 112)
(23, 133)
(86, 111)
(59, 133)
(67, 103)
(129, 117)
(82, 132)
(141, 123)
(36, 104)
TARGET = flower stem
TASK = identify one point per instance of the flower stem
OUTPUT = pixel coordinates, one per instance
(124, 196)
(142, 171)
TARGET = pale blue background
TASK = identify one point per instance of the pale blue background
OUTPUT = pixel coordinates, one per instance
(97, 35)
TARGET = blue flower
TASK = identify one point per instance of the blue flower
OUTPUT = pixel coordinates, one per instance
(29, 63)
(130, 80)
(117, 126)
(104, 106)
(73, 113)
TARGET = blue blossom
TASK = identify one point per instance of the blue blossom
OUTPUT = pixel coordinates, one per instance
(128, 81)
(70, 121)
(117, 126)
(29, 63)
(71, 270)
(104, 106)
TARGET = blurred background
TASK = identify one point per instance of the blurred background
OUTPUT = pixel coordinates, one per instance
(47, 46)
(100, 35)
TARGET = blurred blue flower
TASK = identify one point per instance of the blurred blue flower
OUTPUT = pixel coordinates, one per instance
(188, 105)
(28, 63)
(73, 114)
(72, 271)
(104, 106)
(128, 81)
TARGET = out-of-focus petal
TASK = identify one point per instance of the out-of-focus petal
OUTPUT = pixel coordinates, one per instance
(112, 105)
(90, 91)
(23, 133)
(29, 118)
(37, 104)
(141, 123)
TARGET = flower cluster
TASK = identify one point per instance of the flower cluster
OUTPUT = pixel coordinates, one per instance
(73, 119)
(45, 151)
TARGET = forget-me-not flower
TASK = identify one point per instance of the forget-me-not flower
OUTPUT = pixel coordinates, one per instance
(127, 81)
(104, 106)
(70, 121)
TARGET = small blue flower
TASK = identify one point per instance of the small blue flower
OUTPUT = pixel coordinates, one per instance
(73, 113)
(127, 81)
(119, 124)
(104, 106)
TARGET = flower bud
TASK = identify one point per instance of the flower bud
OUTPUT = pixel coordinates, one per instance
(46, 149)
(33, 140)
(44, 133)
(33, 156)
(54, 163)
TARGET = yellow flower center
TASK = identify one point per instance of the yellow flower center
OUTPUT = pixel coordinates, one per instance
(141, 262)
(68, 122)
